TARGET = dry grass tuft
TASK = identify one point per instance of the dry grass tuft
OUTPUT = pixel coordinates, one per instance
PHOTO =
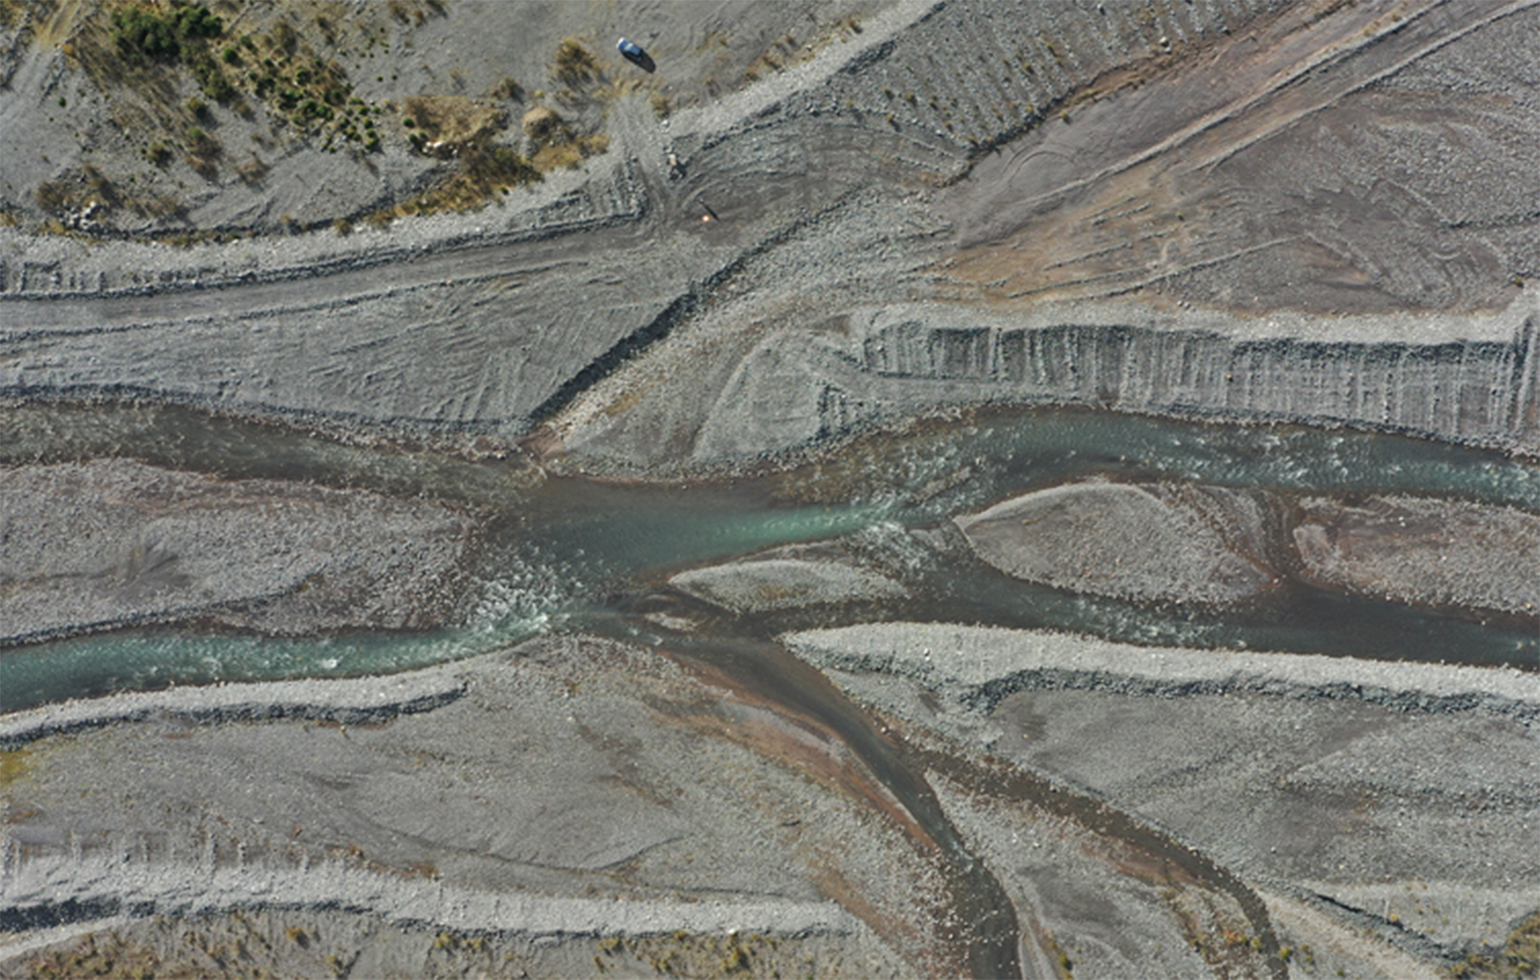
(1520, 955)
(569, 155)
(252, 170)
(574, 62)
(545, 125)
(449, 123)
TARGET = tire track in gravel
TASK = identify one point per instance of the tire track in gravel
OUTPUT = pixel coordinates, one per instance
(1030, 231)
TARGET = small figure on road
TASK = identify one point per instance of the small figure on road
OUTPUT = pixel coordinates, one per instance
(633, 53)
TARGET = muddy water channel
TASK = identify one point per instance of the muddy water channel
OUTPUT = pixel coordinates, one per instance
(555, 548)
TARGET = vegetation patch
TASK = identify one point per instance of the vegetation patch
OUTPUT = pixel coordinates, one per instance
(86, 192)
(14, 763)
(287, 59)
(145, 32)
(463, 129)
(569, 154)
(177, 33)
(107, 956)
(144, 48)
(1519, 957)
(297, 85)
(11, 12)
(446, 125)
(545, 125)
(684, 954)
(413, 14)
(556, 143)
(203, 150)
(484, 172)
(574, 64)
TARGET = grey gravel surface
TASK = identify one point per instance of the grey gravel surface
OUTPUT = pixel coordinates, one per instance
(1239, 210)
(788, 578)
(340, 701)
(569, 786)
(978, 664)
(1187, 544)
(1445, 552)
(1234, 300)
(113, 543)
(470, 322)
(301, 942)
(1072, 900)
(1375, 793)
(464, 49)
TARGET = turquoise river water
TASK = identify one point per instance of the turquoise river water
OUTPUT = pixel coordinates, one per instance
(560, 549)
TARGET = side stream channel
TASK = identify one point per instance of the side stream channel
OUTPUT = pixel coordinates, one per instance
(987, 934)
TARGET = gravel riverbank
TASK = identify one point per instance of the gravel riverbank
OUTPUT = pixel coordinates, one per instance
(113, 543)
(560, 790)
(1396, 798)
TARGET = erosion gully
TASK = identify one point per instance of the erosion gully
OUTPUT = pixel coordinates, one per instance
(572, 553)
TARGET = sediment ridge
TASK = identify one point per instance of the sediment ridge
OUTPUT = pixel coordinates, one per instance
(981, 666)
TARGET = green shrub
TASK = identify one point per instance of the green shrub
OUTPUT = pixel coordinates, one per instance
(142, 33)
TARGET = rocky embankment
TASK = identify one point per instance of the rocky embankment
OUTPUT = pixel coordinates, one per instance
(1469, 379)
(113, 543)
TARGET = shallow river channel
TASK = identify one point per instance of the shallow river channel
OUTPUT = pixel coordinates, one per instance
(560, 550)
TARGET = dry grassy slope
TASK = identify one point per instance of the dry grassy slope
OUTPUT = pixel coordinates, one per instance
(320, 943)
(82, 105)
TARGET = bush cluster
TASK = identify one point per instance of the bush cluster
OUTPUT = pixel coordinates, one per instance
(172, 34)
(142, 32)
